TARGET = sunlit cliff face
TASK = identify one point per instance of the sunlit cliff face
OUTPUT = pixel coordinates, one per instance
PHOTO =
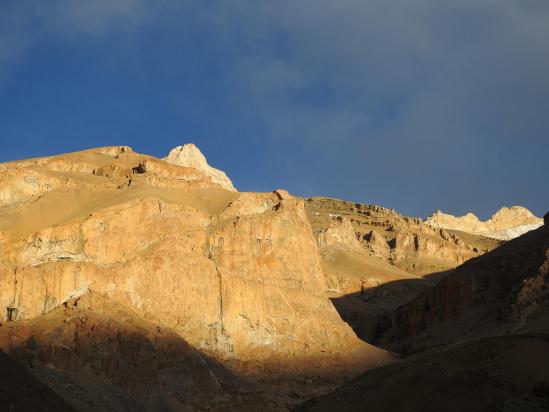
(234, 274)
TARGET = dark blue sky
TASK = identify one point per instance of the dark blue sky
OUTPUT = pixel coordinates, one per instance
(416, 105)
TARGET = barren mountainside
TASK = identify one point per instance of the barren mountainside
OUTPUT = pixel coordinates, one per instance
(236, 275)
(129, 282)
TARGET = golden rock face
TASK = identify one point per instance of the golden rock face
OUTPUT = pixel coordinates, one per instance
(235, 274)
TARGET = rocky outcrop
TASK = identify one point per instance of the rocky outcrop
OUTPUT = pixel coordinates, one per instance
(377, 244)
(424, 245)
(22, 184)
(507, 223)
(189, 155)
(340, 231)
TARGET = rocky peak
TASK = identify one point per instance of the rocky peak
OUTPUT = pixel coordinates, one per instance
(507, 223)
(189, 155)
(515, 215)
(445, 220)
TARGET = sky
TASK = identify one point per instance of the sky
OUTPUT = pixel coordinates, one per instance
(416, 105)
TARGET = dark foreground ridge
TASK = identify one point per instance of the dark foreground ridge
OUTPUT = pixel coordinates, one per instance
(495, 374)
(21, 391)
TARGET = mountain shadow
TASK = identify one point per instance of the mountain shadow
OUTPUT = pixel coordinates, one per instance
(509, 373)
(502, 292)
(366, 311)
(21, 391)
(101, 356)
(505, 291)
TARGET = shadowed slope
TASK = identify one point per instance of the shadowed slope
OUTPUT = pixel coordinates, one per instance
(495, 374)
(504, 291)
(365, 311)
(114, 360)
(21, 391)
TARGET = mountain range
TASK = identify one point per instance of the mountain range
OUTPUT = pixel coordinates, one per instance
(129, 282)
